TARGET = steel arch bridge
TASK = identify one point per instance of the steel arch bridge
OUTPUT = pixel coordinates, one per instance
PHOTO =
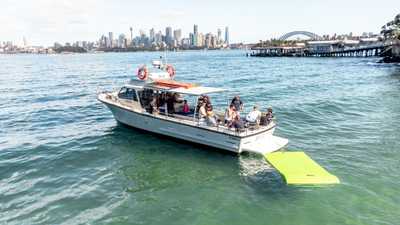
(305, 33)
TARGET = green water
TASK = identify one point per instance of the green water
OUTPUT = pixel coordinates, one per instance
(64, 159)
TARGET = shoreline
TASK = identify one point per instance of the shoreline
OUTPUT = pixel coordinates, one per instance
(114, 51)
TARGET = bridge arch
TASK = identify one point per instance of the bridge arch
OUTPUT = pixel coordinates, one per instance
(305, 33)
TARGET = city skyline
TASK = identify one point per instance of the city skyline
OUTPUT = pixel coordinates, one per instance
(43, 22)
(170, 38)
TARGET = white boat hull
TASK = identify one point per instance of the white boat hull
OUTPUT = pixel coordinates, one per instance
(195, 134)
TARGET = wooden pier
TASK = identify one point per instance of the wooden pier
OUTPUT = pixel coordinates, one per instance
(331, 50)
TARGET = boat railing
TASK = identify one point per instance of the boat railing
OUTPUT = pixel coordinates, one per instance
(196, 121)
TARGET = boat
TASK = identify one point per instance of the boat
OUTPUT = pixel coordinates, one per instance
(133, 105)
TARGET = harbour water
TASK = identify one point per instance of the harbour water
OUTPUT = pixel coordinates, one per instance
(64, 159)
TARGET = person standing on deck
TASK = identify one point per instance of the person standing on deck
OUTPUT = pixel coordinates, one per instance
(237, 103)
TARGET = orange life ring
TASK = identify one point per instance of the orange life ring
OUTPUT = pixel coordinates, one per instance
(171, 71)
(142, 73)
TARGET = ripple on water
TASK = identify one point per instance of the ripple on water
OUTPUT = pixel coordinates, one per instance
(64, 160)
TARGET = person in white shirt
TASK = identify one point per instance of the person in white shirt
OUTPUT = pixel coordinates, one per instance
(254, 116)
(202, 111)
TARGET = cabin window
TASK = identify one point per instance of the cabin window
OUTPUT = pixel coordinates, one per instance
(128, 93)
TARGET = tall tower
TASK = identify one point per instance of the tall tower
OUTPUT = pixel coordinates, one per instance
(195, 37)
(219, 36)
(227, 35)
(152, 35)
(110, 39)
(168, 35)
(131, 29)
(131, 41)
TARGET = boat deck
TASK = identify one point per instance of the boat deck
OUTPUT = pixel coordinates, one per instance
(190, 120)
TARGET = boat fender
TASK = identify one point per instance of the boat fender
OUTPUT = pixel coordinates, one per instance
(142, 73)
(171, 71)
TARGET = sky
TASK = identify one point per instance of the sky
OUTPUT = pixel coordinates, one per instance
(43, 22)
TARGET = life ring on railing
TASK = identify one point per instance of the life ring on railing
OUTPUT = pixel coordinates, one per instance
(142, 73)
(171, 71)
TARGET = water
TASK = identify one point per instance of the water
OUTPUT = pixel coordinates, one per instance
(64, 159)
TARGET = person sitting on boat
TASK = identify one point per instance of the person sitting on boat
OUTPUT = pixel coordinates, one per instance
(178, 102)
(237, 123)
(202, 111)
(200, 101)
(237, 103)
(229, 114)
(185, 108)
(170, 104)
(154, 105)
(211, 117)
(269, 116)
(254, 116)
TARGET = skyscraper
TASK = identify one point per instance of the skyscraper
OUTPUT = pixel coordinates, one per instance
(191, 39)
(177, 35)
(158, 37)
(152, 35)
(131, 29)
(219, 37)
(195, 37)
(110, 39)
(227, 35)
(208, 40)
(168, 35)
(121, 41)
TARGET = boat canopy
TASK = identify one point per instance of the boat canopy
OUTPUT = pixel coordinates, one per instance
(175, 88)
(199, 90)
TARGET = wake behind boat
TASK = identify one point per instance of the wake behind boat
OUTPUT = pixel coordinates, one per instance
(157, 103)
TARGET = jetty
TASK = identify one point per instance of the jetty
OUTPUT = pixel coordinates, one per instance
(329, 48)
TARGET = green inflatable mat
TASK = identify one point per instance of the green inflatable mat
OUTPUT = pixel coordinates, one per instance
(298, 168)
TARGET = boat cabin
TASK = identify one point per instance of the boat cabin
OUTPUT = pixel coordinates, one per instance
(166, 99)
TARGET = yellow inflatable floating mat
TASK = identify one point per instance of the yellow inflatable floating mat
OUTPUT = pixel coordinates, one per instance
(298, 168)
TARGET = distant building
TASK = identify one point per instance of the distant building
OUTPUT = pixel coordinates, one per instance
(152, 35)
(195, 37)
(178, 35)
(158, 37)
(121, 41)
(57, 45)
(186, 42)
(208, 40)
(191, 39)
(168, 35)
(110, 39)
(25, 41)
(131, 30)
(219, 36)
(200, 40)
(227, 36)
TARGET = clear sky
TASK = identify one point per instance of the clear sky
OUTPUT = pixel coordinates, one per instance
(43, 22)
